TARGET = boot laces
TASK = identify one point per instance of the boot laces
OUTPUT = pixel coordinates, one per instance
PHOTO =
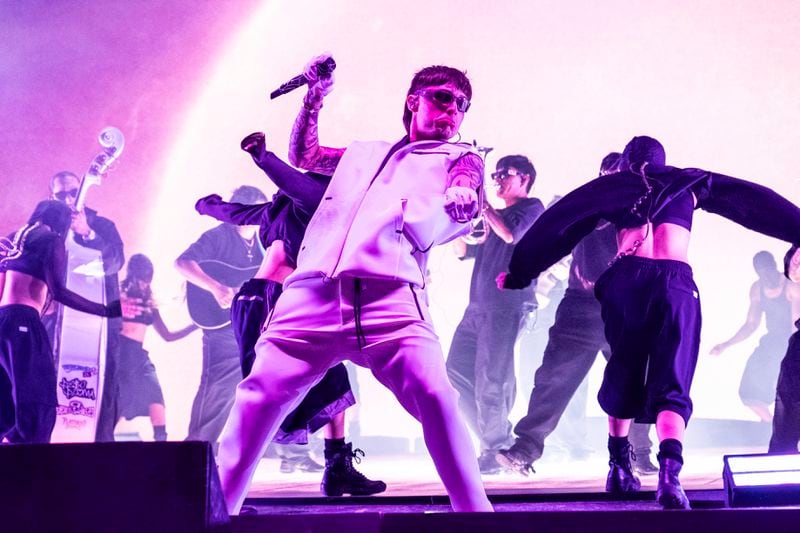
(357, 454)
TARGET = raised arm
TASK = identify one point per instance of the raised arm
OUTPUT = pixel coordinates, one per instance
(304, 149)
(305, 191)
(106, 239)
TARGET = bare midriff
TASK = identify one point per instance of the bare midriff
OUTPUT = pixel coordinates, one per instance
(665, 241)
(23, 289)
(275, 266)
(134, 330)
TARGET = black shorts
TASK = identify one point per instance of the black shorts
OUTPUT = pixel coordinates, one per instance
(651, 313)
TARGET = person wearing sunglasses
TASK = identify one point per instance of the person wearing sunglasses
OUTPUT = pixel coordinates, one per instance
(90, 230)
(480, 363)
(357, 291)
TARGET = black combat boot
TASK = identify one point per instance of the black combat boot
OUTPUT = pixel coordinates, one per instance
(670, 494)
(341, 477)
(620, 475)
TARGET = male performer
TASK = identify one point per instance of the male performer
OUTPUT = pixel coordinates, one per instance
(357, 290)
(786, 422)
(771, 296)
(649, 302)
(238, 248)
(282, 224)
(98, 233)
(481, 359)
(574, 341)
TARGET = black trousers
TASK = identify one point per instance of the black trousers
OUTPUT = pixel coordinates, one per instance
(220, 374)
(786, 422)
(574, 341)
(480, 366)
(27, 377)
(332, 395)
(651, 312)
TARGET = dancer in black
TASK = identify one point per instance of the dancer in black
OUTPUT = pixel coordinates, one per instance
(574, 341)
(786, 422)
(139, 390)
(480, 363)
(771, 297)
(31, 275)
(283, 222)
(650, 304)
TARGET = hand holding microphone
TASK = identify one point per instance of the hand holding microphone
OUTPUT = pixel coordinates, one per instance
(317, 74)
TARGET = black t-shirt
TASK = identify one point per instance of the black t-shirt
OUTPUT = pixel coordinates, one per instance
(492, 257)
(223, 244)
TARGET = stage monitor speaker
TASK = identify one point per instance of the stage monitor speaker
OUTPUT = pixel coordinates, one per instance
(759, 480)
(115, 486)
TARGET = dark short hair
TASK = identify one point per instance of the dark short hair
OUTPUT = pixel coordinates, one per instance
(248, 195)
(436, 75)
(521, 163)
(58, 176)
(610, 163)
(764, 260)
(642, 150)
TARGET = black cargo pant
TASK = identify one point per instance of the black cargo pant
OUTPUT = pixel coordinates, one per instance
(27, 377)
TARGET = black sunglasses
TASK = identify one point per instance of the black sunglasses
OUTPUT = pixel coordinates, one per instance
(445, 98)
(506, 173)
(63, 195)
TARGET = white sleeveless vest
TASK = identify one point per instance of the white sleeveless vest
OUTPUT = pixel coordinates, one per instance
(378, 222)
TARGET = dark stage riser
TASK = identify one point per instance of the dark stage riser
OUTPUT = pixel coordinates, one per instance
(118, 486)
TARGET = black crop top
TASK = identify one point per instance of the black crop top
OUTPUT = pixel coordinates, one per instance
(678, 211)
(44, 257)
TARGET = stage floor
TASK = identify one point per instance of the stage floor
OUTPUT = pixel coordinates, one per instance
(563, 495)
(414, 475)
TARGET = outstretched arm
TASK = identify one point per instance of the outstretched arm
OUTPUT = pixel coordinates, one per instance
(166, 334)
(753, 206)
(231, 212)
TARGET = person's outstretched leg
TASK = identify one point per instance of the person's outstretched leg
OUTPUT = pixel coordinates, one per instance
(412, 367)
(277, 383)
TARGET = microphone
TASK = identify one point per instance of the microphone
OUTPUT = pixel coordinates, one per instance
(324, 69)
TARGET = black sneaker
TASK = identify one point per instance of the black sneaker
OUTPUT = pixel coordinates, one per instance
(516, 462)
(341, 477)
